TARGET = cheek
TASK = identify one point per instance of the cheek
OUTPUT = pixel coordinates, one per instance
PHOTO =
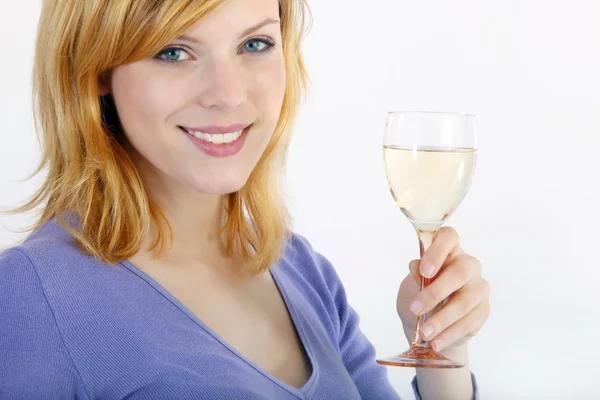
(143, 101)
(268, 90)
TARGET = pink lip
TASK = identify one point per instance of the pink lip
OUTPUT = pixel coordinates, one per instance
(222, 149)
(215, 129)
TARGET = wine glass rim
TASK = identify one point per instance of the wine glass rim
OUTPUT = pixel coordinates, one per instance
(459, 114)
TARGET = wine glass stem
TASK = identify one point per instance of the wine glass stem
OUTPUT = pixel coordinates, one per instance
(425, 239)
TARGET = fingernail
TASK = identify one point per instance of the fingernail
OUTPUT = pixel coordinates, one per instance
(427, 331)
(416, 307)
(437, 345)
(428, 270)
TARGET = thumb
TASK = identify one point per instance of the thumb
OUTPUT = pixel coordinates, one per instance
(414, 270)
(408, 290)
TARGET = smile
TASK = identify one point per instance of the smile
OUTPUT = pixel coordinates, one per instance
(216, 138)
(218, 141)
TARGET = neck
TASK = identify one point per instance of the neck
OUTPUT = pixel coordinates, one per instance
(196, 222)
(195, 219)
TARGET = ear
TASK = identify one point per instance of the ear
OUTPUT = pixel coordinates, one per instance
(104, 84)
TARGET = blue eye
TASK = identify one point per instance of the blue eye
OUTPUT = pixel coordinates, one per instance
(173, 54)
(258, 45)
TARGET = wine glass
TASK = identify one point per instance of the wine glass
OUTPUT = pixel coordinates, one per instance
(429, 161)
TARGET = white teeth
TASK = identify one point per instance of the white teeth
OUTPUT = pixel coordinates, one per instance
(218, 138)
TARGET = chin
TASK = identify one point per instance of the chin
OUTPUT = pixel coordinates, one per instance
(216, 186)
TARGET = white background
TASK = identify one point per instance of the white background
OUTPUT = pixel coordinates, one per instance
(530, 70)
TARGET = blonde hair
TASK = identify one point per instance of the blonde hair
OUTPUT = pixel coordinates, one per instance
(89, 173)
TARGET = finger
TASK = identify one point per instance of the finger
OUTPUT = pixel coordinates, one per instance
(450, 280)
(460, 304)
(414, 270)
(465, 328)
(445, 243)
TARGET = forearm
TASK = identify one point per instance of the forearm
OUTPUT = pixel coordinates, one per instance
(447, 384)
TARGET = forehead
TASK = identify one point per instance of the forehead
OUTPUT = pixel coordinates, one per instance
(233, 17)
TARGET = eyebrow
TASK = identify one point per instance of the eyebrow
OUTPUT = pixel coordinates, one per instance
(247, 32)
(256, 27)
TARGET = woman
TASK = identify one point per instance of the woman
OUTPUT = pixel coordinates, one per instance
(163, 265)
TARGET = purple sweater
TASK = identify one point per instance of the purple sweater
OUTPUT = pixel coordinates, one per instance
(73, 327)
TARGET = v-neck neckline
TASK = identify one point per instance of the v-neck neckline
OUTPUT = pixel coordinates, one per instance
(301, 392)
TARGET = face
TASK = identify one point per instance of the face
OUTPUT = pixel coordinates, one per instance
(200, 113)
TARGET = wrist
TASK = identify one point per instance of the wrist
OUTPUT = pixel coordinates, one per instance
(450, 384)
(459, 353)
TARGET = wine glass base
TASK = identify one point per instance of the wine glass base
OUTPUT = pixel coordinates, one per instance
(419, 357)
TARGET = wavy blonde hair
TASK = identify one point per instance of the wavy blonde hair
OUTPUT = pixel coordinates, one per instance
(89, 173)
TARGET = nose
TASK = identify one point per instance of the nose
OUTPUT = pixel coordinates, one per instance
(224, 86)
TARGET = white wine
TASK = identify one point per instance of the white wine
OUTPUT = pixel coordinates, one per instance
(428, 184)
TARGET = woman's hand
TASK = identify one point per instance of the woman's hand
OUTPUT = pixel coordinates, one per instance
(457, 293)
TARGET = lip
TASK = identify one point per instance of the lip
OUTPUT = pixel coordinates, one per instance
(218, 129)
(223, 149)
